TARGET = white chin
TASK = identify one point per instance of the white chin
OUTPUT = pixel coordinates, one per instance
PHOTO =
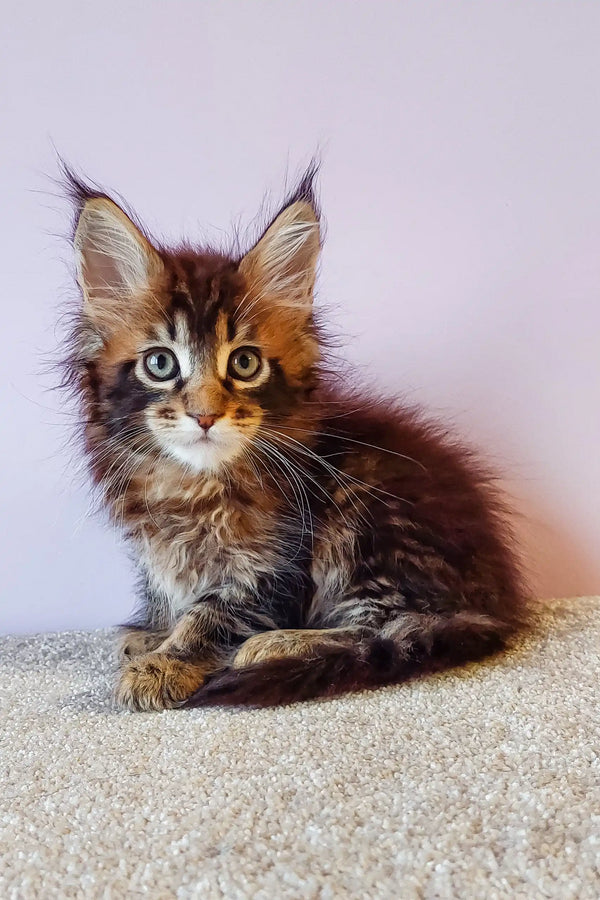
(201, 456)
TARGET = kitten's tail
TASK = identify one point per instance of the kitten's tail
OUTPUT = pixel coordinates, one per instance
(419, 644)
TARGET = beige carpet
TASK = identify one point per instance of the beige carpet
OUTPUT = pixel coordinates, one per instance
(483, 783)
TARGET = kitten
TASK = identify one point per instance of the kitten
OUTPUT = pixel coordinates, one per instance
(293, 541)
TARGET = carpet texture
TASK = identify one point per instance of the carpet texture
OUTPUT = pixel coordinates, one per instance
(480, 783)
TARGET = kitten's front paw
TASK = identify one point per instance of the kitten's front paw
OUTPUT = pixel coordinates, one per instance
(157, 681)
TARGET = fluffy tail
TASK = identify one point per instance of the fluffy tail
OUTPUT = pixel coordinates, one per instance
(418, 645)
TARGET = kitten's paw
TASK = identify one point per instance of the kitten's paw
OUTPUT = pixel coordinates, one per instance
(157, 681)
(137, 642)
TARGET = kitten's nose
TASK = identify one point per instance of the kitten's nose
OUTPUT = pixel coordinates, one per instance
(205, 422)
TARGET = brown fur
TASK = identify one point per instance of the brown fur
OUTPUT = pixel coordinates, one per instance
(303, 643)
(312, 540)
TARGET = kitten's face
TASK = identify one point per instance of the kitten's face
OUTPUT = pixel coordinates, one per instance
(205, 389)
(199, 376)
(195, 357)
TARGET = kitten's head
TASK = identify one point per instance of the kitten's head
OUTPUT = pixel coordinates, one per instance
(193, 355)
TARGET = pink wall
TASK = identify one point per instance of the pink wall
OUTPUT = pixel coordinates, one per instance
(461, 146)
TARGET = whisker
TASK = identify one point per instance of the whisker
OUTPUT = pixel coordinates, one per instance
(343, 437)
(338, 473)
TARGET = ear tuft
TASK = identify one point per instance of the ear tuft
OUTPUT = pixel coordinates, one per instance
(116, 264)
(282, 265)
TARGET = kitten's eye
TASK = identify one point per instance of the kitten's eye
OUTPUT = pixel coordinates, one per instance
(244, 363)
(161, 364)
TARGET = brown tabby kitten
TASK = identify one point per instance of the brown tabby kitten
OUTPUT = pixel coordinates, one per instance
(291, 545)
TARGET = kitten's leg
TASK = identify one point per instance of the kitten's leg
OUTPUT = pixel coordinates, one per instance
(134, 642)
(198, 645)
(284, 667)
(300, 643)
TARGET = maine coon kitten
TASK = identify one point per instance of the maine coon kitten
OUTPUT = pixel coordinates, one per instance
(293, 541)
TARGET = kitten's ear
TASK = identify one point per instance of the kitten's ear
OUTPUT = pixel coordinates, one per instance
(116, 265)
(283, 263)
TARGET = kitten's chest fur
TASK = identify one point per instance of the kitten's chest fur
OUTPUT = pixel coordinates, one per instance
(194, 540)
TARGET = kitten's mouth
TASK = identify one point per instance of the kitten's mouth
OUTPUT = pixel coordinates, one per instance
(202, 449)
(193, 440)
(202, 438)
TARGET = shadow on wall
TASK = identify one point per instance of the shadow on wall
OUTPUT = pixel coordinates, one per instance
(557, 564)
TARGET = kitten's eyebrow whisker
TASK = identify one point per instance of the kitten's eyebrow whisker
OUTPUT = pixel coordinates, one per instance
(248, 309)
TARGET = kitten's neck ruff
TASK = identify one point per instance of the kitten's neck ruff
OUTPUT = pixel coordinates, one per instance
(246, 512)
(192, 532)
(162, 483)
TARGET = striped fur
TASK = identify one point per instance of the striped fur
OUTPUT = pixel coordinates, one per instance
(294, 539)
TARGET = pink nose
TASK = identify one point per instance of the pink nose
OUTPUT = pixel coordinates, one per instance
(205, 422)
